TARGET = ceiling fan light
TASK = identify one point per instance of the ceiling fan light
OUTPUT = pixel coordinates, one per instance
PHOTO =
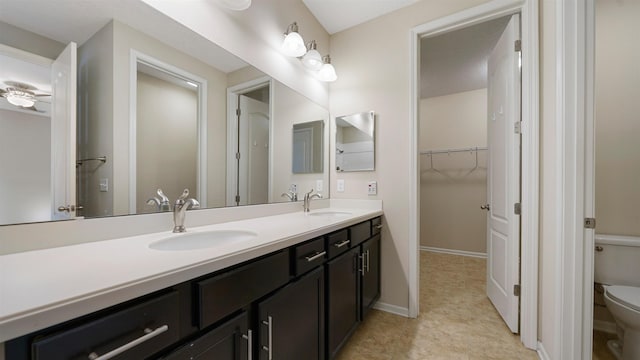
(293, 45)
(20, 98)
(327, 73)
(312, 60)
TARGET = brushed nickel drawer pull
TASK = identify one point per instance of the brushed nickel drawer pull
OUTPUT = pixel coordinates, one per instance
(316, 256)
(249, 338)
(269, 349)
(342, 243)
(379, 226)
(149, 334)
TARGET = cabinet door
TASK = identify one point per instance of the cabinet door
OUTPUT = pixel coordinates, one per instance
(370, 274)
(342, 296)
(292, 320)
(228, 341)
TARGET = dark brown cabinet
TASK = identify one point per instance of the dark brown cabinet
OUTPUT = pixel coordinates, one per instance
(292, 320)
(370, 272)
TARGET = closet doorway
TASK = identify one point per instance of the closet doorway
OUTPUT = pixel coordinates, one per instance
(470, 154)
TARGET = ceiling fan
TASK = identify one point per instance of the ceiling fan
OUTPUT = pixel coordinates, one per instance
(23, 95)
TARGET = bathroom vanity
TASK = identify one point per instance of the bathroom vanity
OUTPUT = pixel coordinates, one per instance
(296, 295)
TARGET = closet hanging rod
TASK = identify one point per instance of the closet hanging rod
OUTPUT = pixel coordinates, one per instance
(448, 151)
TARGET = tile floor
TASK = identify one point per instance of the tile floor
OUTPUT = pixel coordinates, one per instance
(456, 320)
(600, 350)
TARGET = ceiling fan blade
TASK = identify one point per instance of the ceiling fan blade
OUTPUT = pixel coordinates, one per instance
(32, 108)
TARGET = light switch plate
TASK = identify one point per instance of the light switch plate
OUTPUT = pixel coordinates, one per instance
(340, 185)
(104, 184)
(372, 188)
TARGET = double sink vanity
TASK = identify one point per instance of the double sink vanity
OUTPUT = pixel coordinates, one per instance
(287, 286)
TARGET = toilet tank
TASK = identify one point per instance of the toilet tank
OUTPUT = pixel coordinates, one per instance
(617, 260)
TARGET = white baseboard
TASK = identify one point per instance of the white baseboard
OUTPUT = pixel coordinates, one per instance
(393, 309)
(454, 252)
(542, 353)
(605, 326)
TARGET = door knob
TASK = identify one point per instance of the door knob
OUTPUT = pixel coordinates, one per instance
(485, 207)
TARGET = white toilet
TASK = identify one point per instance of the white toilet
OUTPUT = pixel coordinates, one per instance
(617, 267)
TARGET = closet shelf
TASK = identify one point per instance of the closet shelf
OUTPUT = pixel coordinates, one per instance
(449, 151)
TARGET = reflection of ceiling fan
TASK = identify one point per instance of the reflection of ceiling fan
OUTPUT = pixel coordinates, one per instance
(22, 95)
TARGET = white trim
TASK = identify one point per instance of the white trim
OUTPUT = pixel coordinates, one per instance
(393, 309)
(232, 133)
(542, 352)
(574, 126)
(530, 150)
(605, 326)
(201, 176)
(454, 252)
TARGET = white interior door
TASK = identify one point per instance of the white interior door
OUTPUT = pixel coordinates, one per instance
(503, 177)
(63, 133)
(253, 149)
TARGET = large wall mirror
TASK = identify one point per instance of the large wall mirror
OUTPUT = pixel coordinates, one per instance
(355, 142)
(157, 106)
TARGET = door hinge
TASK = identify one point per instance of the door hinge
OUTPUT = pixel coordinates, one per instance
(238, 112)
(518, 46)
(237, 198)
(516, 290)
(589, 223)
(517, 208)
(237, 156)
(516, 127)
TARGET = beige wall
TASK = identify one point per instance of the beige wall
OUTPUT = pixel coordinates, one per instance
(617, 118)
(30, 42)
(373, 65)
(452, 191)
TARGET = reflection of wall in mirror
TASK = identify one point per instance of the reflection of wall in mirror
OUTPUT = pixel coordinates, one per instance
(354, 149)
(292, 108)
(25, 180)
(105, 118)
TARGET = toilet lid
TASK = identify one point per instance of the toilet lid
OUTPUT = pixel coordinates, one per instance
(626, 295)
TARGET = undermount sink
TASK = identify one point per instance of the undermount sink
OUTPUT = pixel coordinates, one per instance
(329, 213)
(201, 240)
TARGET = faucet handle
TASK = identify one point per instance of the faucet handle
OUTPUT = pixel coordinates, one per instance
(163, 197)
(184, 195)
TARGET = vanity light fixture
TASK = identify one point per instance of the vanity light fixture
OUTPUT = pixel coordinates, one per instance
(236, 5)
(327, 72)
(293, 45)
(312, 60)
(20, 98)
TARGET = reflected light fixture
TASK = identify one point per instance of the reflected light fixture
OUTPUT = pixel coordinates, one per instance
(20, 98)
(312, 60)
(327, 72)
(236, 5)
(293, 45)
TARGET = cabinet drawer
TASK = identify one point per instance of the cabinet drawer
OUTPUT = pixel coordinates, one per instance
(359, 233)
(155, 320)
(376, 226)
(309, 255)
(337, 243)
(223, 294)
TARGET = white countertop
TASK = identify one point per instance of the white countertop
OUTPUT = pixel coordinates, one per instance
(46, 287)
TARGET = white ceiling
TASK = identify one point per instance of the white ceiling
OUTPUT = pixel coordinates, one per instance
(338, 15)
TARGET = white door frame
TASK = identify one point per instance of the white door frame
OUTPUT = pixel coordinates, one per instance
(530, 156)
(575, 55)
(232, 133)
(201, 176)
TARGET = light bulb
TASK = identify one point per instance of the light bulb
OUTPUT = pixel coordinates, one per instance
(327, 72)
(19, 98)
(293, 45)
(312, 60)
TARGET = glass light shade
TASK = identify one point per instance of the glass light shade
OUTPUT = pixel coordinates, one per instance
(312, 60)
(237, 5)
(327, 73)
(293, 45)
(20, 99)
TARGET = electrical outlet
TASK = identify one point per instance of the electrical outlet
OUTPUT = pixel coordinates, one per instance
(293, 188)
(104, 185)
(319, 185)
(340, 185)
(372, 188)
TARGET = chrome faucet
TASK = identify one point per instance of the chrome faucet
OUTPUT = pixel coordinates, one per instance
(161, 201)
(293, 196)
(307, 199)
(180, 209)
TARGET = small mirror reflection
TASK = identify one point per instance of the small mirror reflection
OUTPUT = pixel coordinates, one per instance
(355, 142)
